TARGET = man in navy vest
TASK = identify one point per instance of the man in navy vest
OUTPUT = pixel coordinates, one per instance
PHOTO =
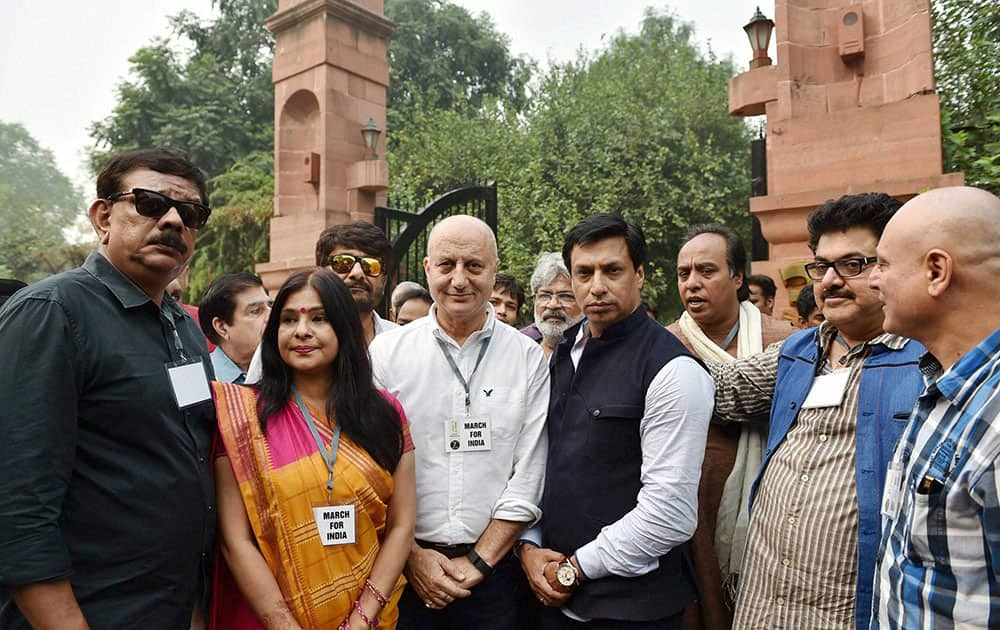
(628, 415)
(838, 397)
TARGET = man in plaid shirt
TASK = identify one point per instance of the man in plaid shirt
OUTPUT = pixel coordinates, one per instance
(937, 273)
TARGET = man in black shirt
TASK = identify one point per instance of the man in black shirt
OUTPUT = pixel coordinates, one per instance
(107, 510)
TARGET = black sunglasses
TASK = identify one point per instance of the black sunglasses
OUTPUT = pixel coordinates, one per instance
(154, 205)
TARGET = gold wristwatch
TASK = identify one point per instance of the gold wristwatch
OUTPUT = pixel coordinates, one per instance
(567, 575)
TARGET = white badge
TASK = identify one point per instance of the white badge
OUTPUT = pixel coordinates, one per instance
(471, 433)
(336, 524)
(827, 390)
(893, 492)
(189, 382)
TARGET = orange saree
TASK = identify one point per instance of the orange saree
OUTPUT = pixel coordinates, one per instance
(281, 478)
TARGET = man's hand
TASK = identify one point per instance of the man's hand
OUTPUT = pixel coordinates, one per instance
(465, 567)
(540, 566)
(436, 579)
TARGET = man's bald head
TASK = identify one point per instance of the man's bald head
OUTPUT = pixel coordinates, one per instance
(939, 264)
(461, 267)
(961, 220)
(466, 230)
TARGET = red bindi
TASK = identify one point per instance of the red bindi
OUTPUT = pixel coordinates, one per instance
(302, 310)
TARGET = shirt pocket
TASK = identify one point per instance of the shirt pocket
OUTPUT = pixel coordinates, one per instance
(613, 433)
(928, 531)
(504, 408)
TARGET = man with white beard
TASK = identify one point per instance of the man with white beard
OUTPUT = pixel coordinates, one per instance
(556, 309)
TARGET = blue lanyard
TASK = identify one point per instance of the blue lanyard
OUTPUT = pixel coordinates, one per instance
(167, 315)
(458, 373)
(732, 334)
(328, 457)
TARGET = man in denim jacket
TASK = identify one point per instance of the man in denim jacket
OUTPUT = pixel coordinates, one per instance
(838, 396)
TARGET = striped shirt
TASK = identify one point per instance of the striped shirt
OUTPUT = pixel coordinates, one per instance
(800, 565)
(940, 553)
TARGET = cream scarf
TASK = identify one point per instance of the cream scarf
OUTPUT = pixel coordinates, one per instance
(734, 515)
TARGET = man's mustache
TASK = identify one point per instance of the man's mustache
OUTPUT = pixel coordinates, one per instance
(172, 240)
(828, 293)
(360, 285)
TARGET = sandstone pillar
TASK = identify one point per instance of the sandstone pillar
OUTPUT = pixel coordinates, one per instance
(330, 76)
(850, 108)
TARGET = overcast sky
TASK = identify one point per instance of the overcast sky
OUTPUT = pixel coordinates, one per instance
(60, 60)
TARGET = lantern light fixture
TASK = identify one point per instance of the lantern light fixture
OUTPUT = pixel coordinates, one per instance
(758, 30)
(370, 132)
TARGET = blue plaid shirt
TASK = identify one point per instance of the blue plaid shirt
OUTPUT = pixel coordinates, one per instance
(939, 558)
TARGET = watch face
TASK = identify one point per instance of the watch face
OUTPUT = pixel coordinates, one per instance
(566, 575)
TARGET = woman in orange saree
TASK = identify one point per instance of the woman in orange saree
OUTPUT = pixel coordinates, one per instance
(315, 477)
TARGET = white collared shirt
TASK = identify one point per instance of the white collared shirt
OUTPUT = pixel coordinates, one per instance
(459, 493)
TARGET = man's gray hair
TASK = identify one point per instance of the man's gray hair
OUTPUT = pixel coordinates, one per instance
(549, 265)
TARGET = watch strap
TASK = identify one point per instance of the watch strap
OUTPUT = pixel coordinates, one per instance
(481, 565)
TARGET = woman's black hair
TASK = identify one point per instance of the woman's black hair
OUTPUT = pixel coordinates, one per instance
(363, 414)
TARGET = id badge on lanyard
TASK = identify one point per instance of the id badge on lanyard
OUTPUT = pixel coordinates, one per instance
(336, 523)
(468, 433)
(188, 379)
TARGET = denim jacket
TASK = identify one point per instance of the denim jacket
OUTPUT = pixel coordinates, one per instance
(890, 384)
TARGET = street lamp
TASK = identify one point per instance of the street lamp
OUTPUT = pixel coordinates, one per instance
(759, 29)
(370, 132)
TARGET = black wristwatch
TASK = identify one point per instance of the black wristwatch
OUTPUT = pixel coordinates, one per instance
(481, 565)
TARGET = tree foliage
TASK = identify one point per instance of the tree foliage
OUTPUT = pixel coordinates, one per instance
(37, 201)
(641, 128)
(205, 90)
(441, 56)
(967, 69)
(236, 237)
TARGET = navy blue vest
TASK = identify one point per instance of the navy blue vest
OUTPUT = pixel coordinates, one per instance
(592, 476)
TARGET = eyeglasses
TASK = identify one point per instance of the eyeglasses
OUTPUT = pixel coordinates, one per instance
(343, 263)
(563, 297)
(845, 267)
(153, 205)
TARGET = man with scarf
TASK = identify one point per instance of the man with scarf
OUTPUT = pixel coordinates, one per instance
(720, 323)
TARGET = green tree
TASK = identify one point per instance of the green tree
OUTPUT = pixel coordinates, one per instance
(441, 56)
(967, 70)
(204, 90)
(236, 236)
(37, 201)
(641, 128)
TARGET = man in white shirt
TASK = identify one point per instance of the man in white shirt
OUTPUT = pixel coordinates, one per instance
(627, 421)
(476, 394)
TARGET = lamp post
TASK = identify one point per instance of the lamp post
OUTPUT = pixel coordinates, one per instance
(370, 132)
(758, 30)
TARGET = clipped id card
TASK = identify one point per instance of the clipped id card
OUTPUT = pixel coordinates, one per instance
(827, 390)
(470, 433)
(189, 382)
(336, 524)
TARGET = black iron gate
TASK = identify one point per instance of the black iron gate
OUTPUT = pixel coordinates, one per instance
(407, 231)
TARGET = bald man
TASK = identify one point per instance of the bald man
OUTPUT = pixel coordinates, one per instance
(476, 395)
(937, 273)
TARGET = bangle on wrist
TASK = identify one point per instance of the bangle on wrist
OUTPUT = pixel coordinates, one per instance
(371, 623)
(382, 599)
(481, 565)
